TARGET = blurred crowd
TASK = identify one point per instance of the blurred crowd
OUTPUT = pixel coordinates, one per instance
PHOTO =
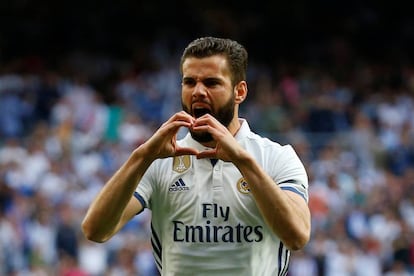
(64, 130)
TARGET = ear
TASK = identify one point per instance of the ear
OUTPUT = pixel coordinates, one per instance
(240, 91)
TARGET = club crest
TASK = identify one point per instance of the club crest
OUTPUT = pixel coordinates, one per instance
(243, 186)
(181, 163)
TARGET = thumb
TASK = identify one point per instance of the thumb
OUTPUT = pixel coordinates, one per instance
(207, 154)
(185, 151)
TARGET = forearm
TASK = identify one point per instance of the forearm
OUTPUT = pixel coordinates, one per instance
(285, 212)
(105, 212)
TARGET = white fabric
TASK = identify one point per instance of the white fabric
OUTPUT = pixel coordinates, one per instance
(203, 225)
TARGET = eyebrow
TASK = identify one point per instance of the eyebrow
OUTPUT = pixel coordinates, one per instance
(204, 79)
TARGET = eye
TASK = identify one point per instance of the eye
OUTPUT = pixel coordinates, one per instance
(188, 82)
(211, 82)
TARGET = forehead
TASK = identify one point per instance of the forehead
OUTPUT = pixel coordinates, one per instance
(216, 65)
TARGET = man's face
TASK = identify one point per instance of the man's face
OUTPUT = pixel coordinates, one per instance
(207, 88)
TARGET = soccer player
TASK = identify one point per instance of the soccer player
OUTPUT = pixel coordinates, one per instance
(224, 200)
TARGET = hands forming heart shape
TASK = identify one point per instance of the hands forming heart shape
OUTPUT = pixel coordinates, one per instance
(221, 143)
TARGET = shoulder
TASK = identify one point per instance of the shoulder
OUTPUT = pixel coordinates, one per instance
(271, 152)
(257, 143)
(248, 137)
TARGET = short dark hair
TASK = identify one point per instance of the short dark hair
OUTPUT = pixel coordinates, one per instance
(234, 52)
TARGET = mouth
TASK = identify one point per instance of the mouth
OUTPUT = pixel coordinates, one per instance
(200, 111)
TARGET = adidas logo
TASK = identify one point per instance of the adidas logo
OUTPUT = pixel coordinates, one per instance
(178, 186)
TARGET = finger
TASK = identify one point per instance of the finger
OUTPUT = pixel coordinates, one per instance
(179, 117)
(210, 124)
(167, 132)
(216, 133)
(185, 151)
(207, 154)
(207, 119)
(183, 116)
(173, 126)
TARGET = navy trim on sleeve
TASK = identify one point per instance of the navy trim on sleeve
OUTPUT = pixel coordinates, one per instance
(294, 181)
(141, 200)
(293, 190)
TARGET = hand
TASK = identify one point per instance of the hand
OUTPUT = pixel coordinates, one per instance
(226, 146)
(163, 143)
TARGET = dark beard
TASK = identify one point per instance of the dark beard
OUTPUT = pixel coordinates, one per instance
(224, 115)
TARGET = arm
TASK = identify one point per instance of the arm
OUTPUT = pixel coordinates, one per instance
(286, 212)
(115, 204)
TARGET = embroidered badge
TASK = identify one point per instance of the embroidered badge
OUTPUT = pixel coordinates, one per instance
(181, 163)
(243, 186)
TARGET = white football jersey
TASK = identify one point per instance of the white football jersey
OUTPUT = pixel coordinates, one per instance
(204, 219)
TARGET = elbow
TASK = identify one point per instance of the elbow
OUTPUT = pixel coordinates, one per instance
(91, 233)
(297, 242)
(296, 245)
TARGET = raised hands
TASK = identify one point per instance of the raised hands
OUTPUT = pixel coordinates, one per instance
(224, 146)
(163, 143)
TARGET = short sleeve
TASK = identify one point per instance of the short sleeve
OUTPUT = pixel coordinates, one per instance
(145, 188)
(289, 172)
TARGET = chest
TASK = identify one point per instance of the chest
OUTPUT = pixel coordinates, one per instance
(206, 192)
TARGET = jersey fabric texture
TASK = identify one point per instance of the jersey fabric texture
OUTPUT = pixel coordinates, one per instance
(204, 219)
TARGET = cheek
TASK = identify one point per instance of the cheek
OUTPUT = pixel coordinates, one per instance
(186, 101)
(186, 91)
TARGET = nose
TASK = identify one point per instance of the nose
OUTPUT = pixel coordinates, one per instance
(199, 90)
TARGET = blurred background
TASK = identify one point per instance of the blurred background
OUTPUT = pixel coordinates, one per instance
(82, 83)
